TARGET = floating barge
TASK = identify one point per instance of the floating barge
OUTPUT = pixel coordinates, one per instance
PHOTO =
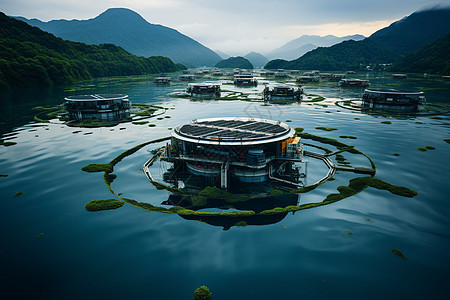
(392, 99)
(282, 92)
(245, 79)
(353, 83)
(105, 107)
(399, 76)
(203, 90)
(187, 77)
(162, 80)
(303, 79)
(246, 150)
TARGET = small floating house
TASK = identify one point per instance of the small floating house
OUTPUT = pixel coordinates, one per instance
(107, 107)
(246, 150)
(245, 79)
(163, 80)
(392, 99)
(353, 83)
(282, 92)
(187, 77)
(203, 90)
(303, 79)
(399, 76)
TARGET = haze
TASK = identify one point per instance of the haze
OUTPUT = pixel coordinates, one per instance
(237, 27)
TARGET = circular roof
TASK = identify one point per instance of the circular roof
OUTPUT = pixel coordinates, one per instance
(393, 91)
(233, 131)
(97, 97)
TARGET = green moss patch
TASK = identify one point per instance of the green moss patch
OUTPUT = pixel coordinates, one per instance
(108, 168)
(396, 154)
(447, 141)
(202, 293)
(140, 122)
(98, 205)
(398, 253)
(7, 144)
(430, 147)
(386, 122)
(326, 128)
(18, 194)
(151, 125)
(422, 149)
(348, 137)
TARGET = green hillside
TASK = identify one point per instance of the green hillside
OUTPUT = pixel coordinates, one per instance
(433, 58)
(235, 62)
(30, 56)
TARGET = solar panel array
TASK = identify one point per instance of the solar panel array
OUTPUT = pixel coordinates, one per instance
(232, 130)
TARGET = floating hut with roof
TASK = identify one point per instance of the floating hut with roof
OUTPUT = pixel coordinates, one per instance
(353, 83)
(106, 107)
(282, 92)
(163, 80)
(245, 79)
(203, 90)
(392, 99)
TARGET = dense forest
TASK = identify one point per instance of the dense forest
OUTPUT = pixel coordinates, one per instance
(30, 56)
(235, 62)
(433, 58)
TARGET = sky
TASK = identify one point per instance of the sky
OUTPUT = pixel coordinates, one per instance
(237, 27)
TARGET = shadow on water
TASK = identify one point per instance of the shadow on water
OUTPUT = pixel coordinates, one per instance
(257, 205)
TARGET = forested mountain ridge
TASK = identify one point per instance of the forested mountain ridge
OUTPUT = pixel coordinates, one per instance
(30, 56)
(433, 58)
(127, 29)
(387, 45)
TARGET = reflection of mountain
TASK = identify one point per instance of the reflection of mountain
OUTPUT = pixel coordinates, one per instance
(255, 204)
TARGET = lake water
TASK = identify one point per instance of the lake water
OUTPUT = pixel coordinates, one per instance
(52, 248)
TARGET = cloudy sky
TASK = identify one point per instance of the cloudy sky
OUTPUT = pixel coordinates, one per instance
(237, 27)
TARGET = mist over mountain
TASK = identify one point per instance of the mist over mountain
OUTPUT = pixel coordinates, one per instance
(127, 29)
(296, 48)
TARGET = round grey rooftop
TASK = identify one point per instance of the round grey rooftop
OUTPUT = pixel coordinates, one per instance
(97, 97)
(233, 131)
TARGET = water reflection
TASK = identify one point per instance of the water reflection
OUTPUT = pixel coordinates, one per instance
(258, 205)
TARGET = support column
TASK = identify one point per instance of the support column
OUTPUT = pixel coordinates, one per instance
(224, 175)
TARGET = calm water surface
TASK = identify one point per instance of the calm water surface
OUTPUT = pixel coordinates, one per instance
(52, 248)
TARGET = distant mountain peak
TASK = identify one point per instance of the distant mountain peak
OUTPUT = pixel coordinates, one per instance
(129, 30)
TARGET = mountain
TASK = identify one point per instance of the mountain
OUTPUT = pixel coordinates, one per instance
(30, 56)
(235, 62)
(256, 59)
(296, 48)
(433, 58)
(127, 29)
(384, 46)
